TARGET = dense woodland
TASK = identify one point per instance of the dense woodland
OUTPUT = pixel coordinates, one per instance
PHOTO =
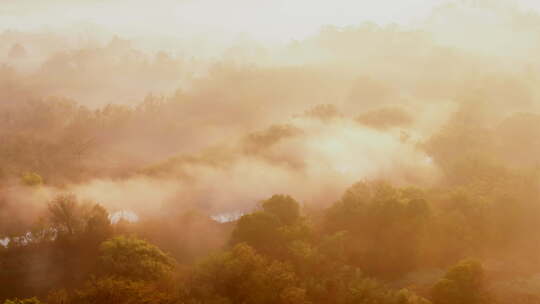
(368, 164)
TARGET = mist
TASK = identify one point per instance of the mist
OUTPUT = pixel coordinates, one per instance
(181, 119)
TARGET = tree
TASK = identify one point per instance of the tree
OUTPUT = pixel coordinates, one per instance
(244, 276)
(284, 207)
(33, 300)
(462, 284)
(385, 225)
(64, 214)
(120, 291)
(32, 179)
(70, 218)
(259, 229)
(271, 230)
(97, 224)
(134, 259)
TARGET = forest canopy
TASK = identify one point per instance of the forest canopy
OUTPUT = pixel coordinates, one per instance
(359, 163)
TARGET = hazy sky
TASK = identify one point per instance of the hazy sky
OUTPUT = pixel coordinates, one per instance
(261, 19)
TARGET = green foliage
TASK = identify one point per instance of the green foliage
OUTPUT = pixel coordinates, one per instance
(23, 301)
(120, 291)
(385, 226)
(97, 223)
(65, 214)
(485, 203)
(351, 287)
(273, 229)
(71, 219)
(259, 230)
(284, 207)
(463, 283)
(243, 276)
(135, 259)
(32, 179)
(376, 231)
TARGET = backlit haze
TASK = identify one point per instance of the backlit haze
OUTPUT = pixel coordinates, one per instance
(158, 109)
